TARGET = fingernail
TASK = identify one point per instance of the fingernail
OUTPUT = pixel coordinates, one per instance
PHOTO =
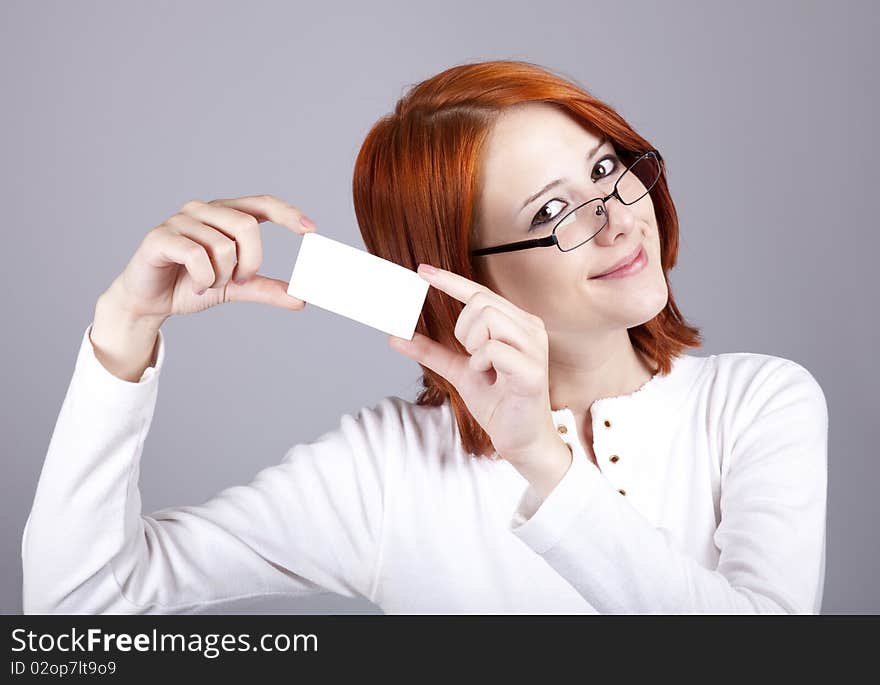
(427, 268)
(305, 221)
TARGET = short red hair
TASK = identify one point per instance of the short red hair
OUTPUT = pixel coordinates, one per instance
(416, 187)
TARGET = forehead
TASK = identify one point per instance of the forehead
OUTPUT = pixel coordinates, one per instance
(530, 141)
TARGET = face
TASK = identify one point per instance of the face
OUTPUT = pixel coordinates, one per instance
(529, 146)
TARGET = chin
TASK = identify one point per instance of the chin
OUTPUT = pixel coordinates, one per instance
(636, 308)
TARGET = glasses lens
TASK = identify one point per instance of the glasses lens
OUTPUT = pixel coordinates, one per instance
(636, 181)
(581, 224)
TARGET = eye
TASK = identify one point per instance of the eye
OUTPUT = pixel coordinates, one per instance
(608, 163)
(612, 165)
(542, 217)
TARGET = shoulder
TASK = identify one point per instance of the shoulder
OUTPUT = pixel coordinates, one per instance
(402, 416)
(757, 392)
(374, 437)
(395, 424)
(751, 376)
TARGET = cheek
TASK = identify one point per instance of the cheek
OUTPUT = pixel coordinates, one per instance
(656, 291)
(554, 291)
(655, 252)
(651, 238)
(529, 284)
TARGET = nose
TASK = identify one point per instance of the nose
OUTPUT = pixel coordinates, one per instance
(621, 219)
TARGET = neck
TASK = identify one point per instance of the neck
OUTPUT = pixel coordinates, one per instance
(605, 366)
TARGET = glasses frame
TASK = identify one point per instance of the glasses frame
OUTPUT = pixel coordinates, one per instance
(551, 239)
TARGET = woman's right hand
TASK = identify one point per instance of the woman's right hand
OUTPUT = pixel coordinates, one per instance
(188, 263)
(206, 254)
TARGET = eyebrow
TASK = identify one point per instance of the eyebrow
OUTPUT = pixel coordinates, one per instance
(550, 185)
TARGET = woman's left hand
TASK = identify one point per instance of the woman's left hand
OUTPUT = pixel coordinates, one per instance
(503, 379)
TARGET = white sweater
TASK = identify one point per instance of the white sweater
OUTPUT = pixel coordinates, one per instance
(715, 502)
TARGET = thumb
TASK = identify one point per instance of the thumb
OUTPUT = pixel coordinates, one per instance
(265, 290)
(440, 359)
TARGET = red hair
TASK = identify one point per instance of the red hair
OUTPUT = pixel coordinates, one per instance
(416, 190)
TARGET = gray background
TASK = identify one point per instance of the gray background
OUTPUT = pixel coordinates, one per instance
(116, 113)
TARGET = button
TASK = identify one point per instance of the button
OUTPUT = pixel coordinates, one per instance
(613, 458)
(607, 423)
(562, 429)
(622, 491)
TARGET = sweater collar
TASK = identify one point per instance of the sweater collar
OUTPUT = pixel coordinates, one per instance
(658, 398)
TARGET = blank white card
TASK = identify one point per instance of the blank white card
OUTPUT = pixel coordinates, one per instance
(358, 285)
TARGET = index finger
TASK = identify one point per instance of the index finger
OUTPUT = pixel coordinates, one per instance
(459, 287)
(270, 208)
(463, 289)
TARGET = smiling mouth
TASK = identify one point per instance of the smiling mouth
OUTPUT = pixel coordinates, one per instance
(636, 264)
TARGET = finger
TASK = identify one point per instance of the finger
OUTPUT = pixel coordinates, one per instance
(500, 356)
(172, 248)
(269, 208)
(463, 289)
(241, 227)
(265, 290)
(440, 359)
(481, 320)
(220, 248)
(459, 287)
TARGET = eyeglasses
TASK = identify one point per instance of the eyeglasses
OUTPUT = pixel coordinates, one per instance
(583, 222)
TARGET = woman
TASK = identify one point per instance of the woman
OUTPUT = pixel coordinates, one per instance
(566, 453)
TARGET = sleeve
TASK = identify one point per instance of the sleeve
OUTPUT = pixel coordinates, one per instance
(309, 524)
(771, 536)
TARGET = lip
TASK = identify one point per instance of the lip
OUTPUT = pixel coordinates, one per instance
(631, 264)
